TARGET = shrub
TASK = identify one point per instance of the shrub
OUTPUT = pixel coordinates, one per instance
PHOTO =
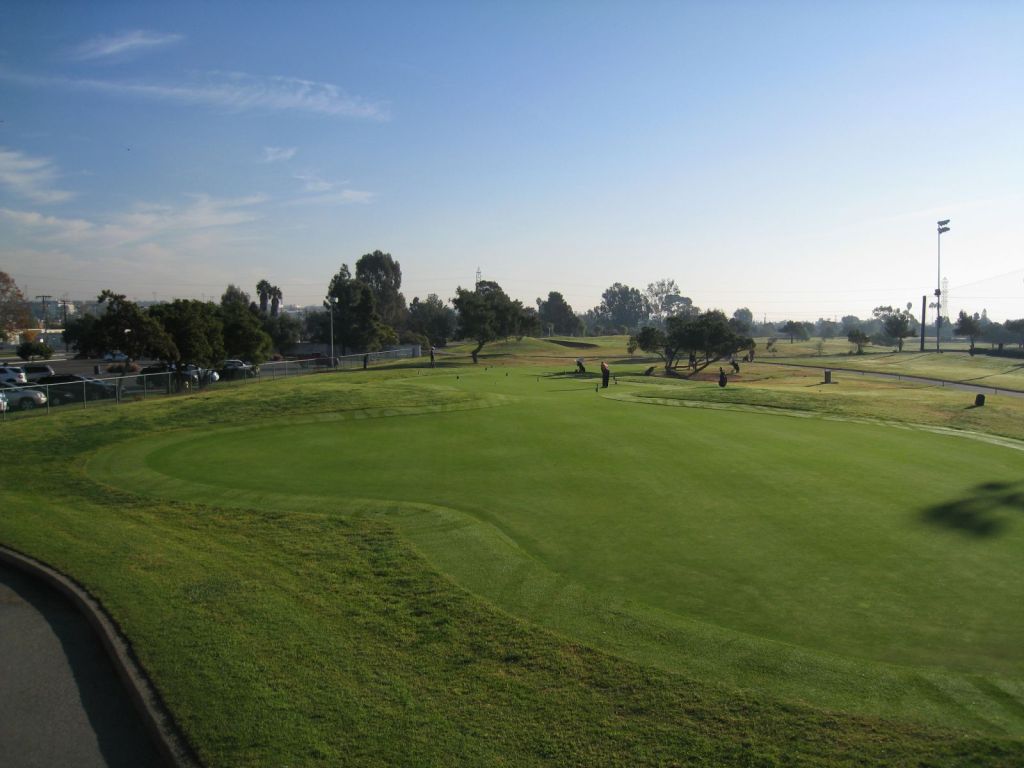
(30, 350)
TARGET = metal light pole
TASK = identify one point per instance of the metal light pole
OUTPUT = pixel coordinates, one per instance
(942, 227)
(333, 361)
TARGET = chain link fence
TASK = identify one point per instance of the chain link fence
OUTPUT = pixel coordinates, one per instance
(42, 397)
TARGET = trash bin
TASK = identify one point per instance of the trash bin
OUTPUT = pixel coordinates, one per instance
(828, 376)
(979, 400)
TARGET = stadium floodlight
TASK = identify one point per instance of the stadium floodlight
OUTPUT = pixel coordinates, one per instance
(333, 301)
(942, 227)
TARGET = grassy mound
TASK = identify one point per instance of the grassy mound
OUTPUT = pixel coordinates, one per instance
(724, 586)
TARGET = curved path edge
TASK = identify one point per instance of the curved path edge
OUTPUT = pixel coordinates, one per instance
(962, 385)
(157, 719)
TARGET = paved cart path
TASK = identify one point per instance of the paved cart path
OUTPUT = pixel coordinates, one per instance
(61, 702)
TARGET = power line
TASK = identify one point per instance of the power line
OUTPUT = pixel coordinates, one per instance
(45, 297)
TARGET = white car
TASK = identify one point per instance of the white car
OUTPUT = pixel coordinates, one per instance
(12, 374)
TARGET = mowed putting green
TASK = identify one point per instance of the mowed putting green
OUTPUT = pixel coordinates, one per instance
(861, 567)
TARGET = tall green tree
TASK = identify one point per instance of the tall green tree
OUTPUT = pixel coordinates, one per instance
(968, 325)
(275, 300)
(849, 323)
(527, 322)
(554, 313)
(236, 296)
(80, 334)
(432, 318)
(826, 329)
(794, 329)
(357, 326)
(664, 299)
(708, 335)
(742, 320)
(263, 292)
(197, 329)
(14, 312)
(283, 330)
(243, 336)
(383, 275)
(897, 324)
(624, 307)
(485, 314)
(1016, 327)
(126, 327)
(858, 338)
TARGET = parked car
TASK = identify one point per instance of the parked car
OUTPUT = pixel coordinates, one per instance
(237, 369)
(203, 376)
(22, 398)
(115, 357)
(70, 388)
(12, 374)
(149, 376)
(35, 371)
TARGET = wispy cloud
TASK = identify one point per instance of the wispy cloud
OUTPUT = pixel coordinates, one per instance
(278, 154)
(125, 44)
(313, 183)
(341, 197)
(235, 91)
(176, 248)
(30, 177)
(143, 223)
(320, 191)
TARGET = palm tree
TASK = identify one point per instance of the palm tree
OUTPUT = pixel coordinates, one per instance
(263, 289)
(275, 300)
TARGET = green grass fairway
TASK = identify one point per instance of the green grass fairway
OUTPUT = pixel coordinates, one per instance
(852, 565)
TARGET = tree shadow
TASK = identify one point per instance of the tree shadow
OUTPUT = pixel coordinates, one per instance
(983, 513)
(120, 735)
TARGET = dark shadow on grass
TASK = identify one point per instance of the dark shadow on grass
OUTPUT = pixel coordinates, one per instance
(571, 375)
(983, 513)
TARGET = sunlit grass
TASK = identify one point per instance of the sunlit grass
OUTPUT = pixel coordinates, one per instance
(303, 602)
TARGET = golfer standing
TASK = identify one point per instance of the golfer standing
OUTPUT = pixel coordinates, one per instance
(605, 373)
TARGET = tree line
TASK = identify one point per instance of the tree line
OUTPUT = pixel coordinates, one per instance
(367, 311)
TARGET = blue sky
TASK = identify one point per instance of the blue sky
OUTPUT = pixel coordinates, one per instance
(788, 157)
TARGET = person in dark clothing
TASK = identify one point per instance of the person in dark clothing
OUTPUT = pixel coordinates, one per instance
(580, 367)
(722, 378)
(605, 374)
(431, 357)
(366, 361)
(735, 365)
(693, 361)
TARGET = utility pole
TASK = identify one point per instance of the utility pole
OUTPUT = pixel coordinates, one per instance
(924, 305)
(479, 278)
(943, 227)
(64, 304)
(44, 298)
